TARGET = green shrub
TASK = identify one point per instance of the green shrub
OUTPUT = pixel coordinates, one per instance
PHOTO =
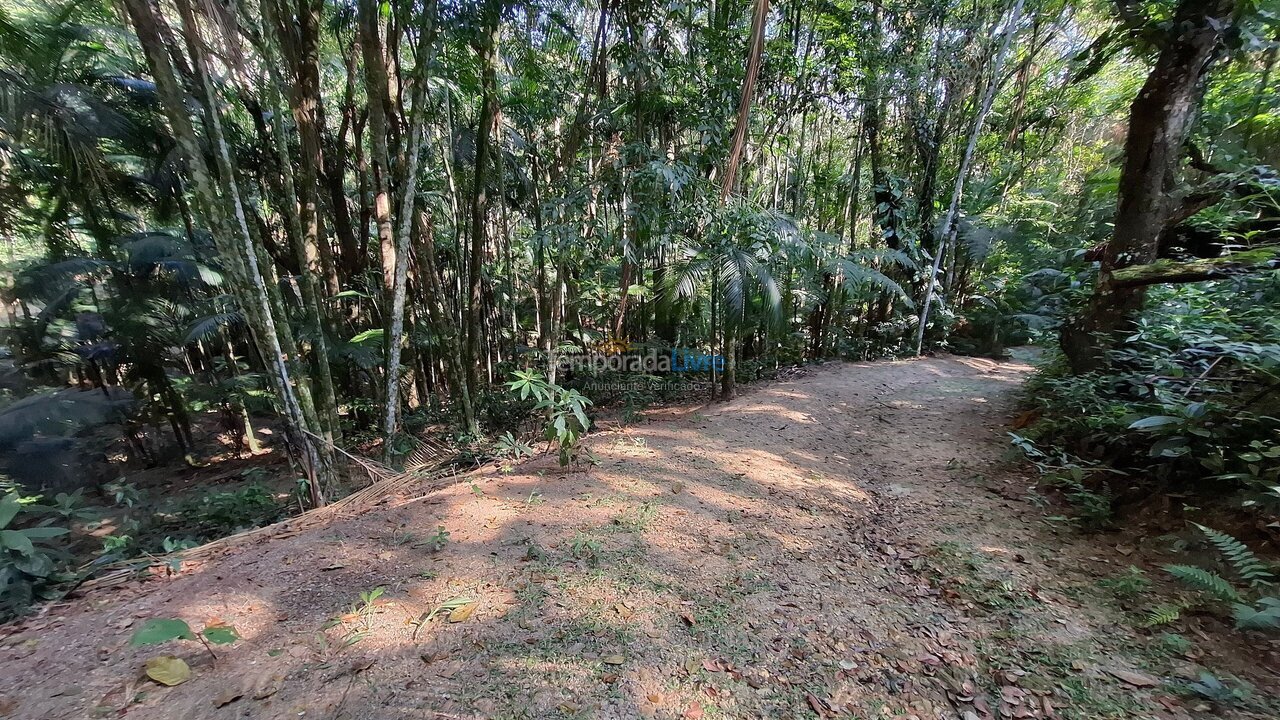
(1188, 400)
(220, 514)
(29, 562)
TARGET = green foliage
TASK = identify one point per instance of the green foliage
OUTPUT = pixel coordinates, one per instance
(566, 410)
(1204, 581)
(1188, 399)
(219, 514)
(158, 631)
(1253, 608)
(438, 540)
(508, 447)
(1129, 584)
(1163, 615)
(29, 561)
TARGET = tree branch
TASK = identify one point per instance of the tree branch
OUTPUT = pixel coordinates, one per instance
(1165, 272)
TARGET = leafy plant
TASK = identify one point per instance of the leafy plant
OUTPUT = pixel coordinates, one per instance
(1255, 606)
(1128, 584)
(437, 541)
(566, 410)
(586, 548)
(28, 562)
(219, 514)
(509, 447)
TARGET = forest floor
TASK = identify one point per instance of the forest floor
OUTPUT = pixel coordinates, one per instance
(850, 542)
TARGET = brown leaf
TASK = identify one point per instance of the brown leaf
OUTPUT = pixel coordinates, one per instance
(816, 704)
(613, 659)
(462, 613)
(227, 697)
(693, 712)
(1135, 679)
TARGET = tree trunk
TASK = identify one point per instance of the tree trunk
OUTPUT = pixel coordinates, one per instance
(487, 54)
(949, 222)
(755, 49)
(416, 132)
(1158, 123)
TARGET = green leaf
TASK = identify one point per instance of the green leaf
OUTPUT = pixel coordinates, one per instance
(9, 507)
(1251, 618)
(1153, 422)
(220, 634)
(18, 542)
(374, 334)
(44, 533)
(162, 630)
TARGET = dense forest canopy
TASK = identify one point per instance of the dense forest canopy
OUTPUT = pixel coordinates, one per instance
(367, 224)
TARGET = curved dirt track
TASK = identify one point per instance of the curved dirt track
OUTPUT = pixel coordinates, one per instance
(847, 543)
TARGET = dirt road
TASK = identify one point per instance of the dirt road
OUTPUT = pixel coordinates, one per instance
(847, 543)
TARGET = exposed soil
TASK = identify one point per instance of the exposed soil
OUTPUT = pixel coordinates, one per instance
(847, 543)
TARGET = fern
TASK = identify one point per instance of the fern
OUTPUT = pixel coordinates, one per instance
(1260, 612)
(1205, 581)
(1162, 615)
(1246, 565)
(1265, 617)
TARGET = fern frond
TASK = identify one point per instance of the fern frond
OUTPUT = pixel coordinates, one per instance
(1162, 615)
(1204, 581)
(1242, 560)
(1249, 617)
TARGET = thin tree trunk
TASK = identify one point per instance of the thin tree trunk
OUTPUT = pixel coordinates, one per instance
(949, 221)
(487, 55)
(416, 131)
(755, 49)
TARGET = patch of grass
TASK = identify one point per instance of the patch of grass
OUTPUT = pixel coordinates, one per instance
(962, 572)
(1128, 584)
(638, 518)
(1058, 668)
(585, 547)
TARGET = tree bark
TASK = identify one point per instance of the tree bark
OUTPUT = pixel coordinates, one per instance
(1159, 119)
(395, 336)
(487, 54)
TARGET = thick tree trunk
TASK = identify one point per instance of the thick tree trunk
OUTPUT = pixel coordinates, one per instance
(1158, 123)
(380, 119)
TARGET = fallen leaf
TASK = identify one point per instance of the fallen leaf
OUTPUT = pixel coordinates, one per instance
(227, 697)
(693, 712)
(816, 704)
(613, 660)
(463, 613)
(168, 670)
(1135, 679)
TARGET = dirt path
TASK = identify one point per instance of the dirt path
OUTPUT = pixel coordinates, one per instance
(843, 544)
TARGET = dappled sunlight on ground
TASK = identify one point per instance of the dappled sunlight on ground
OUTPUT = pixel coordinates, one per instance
(748, 559)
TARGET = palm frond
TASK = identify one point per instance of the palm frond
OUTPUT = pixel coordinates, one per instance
(206, 326)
